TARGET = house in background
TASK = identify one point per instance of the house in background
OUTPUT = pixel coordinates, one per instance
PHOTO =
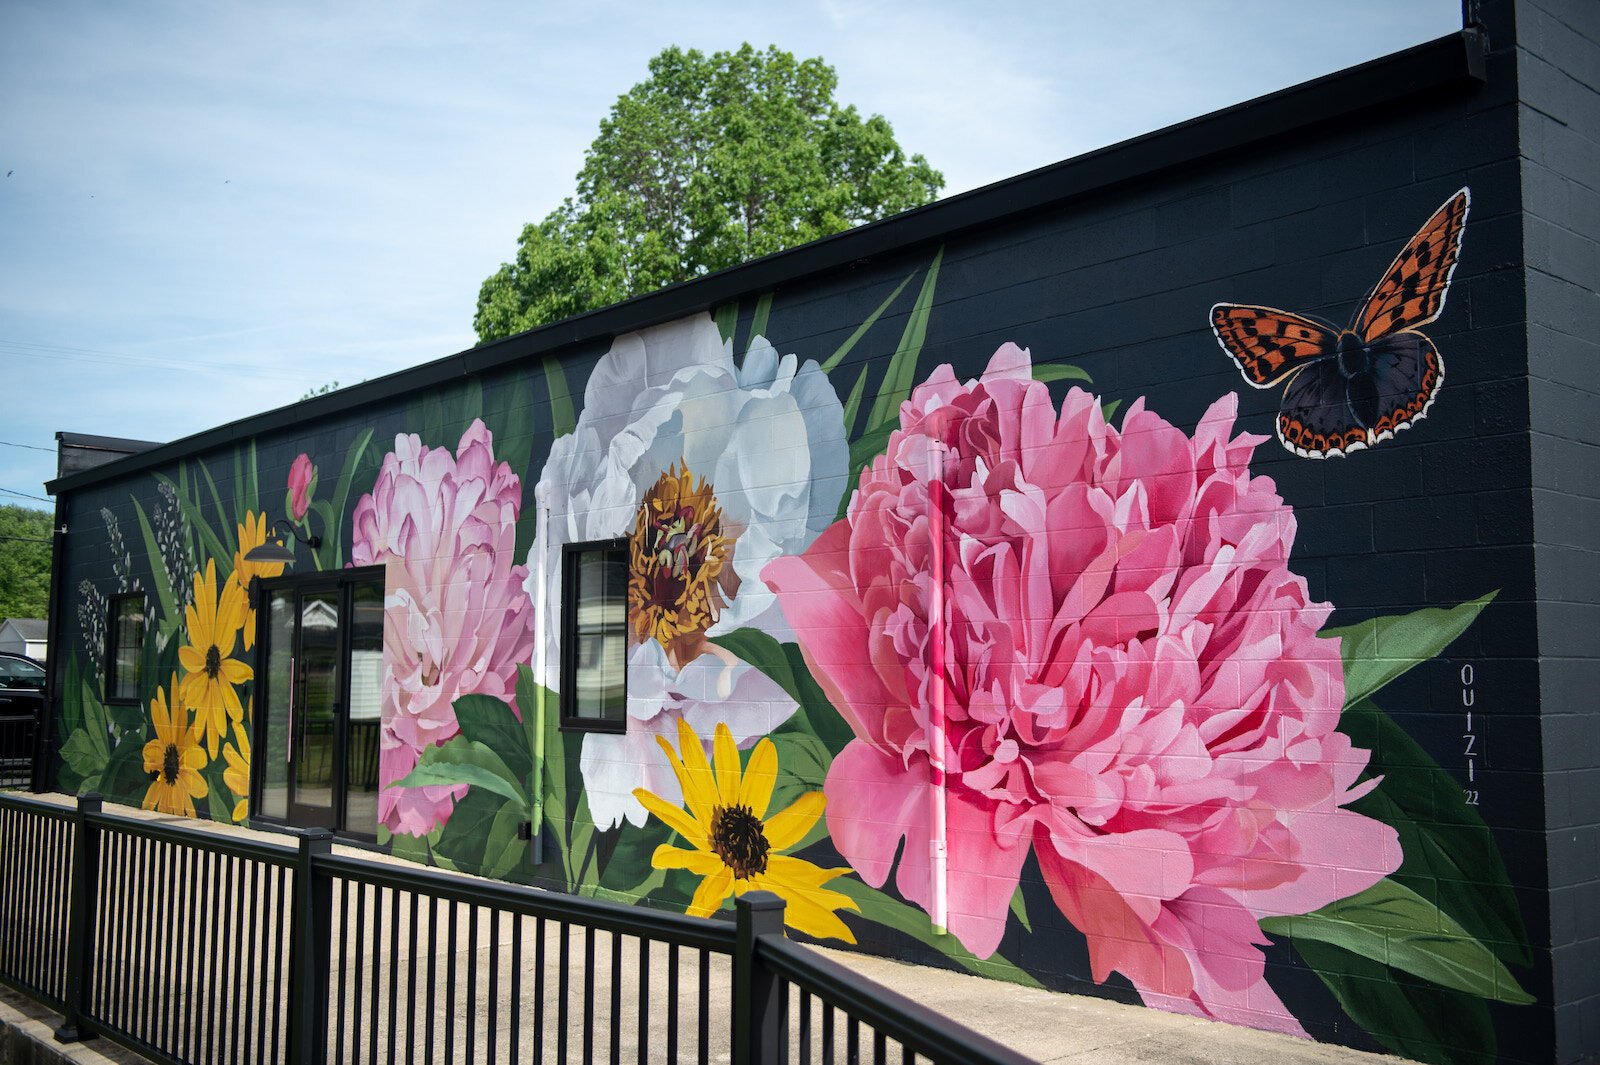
(1169, 574)
(25, 636)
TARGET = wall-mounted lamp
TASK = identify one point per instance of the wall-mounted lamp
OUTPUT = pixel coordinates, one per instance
(275, 550)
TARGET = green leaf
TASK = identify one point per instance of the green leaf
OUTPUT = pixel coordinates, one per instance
(341, 494)
(230, 537)
(464, 839)
(1109, 410)
(220, 808)
(786, 665)
(84, 754)
(124, 779)
(881, 909)
(562, 418)
(489, 721)
(1375, 652)
(628, 872)
(462, 761)
(727, 319)
(503, 851)
(758, 324)
(852, 406)
(1422, 1021)
(902, 371)
(1392, 924)
(170, 618)
(1019, 910)
(248, 494)
(1444, 841)
(1060, 371)
(844, 349)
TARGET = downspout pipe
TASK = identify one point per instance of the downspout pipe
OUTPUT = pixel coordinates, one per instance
(938, 842)
(540, 621)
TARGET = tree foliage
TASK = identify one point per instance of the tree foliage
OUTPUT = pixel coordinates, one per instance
(24, 562)
(707, 163)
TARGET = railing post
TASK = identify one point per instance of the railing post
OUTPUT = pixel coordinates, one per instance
(310, 946)
(81, 920)
(759, 1034)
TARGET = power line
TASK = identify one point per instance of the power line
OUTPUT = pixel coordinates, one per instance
(30, 447)
(25, 495)
(27, 539)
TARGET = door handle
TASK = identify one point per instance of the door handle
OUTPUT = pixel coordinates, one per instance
(288, 744)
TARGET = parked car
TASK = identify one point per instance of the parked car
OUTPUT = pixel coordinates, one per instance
(21, 711)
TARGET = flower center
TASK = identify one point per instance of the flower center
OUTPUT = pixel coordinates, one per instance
(171, 762)
(676, 560)
(213, 662)
(739, 840)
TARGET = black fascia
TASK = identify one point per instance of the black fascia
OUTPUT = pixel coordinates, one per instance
(1456, 61)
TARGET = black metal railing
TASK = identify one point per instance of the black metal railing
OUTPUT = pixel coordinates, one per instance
(18, 734)
(193, 946)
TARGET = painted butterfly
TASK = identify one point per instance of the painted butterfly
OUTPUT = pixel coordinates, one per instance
(1353, 388)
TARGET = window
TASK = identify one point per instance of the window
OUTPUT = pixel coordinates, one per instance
(125, 649)
(594, 636)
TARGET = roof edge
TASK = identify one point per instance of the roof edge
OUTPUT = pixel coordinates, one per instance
(1453, 61)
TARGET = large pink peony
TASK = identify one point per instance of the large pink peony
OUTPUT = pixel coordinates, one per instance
(1136, 690)
(456, 620)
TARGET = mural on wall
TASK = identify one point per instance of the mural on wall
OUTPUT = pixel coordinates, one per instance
(941, 661)
(183, 746)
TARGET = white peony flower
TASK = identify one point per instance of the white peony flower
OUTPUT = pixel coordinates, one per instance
(755, 456)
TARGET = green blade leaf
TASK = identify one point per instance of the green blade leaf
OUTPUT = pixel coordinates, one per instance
(727, 319)
(170, 618)
(1060, 371)
(1375, 652)
(758, 324)
(892, 913)
(852, 406)
(1444, 841)
(844, 349)
(334, 534)
(1392, 924)
(562, 418)
(862, 451)
(230, 538)
(504, 849)
(902, 371)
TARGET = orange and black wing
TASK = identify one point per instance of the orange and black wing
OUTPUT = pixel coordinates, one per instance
(1412, 291)
(1269, 345)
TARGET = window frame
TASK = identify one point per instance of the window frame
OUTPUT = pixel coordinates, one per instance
(113, 607)
(570, 639)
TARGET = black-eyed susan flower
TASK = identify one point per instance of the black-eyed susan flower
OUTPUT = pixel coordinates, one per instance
(737, 846)
(214, 621)
(252, 534)
(237, 772)
(174, 756)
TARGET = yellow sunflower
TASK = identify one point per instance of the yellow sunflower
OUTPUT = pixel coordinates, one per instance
(209, 673)
(237, 773)
(252, 534)
(736, 845)
(174, 756)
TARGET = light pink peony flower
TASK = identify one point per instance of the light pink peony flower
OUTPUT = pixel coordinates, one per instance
(1136, 689)
(456, 620)
(302, 486)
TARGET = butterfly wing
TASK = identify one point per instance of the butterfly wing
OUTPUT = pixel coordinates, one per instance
(1407, 371)
(1314, 420)
(1411, 292)
(1267, 344)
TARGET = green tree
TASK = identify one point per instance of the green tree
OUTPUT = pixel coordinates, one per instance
(24, 562)
(707, 163)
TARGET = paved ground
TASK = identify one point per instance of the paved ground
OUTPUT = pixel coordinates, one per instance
(1047, 1026)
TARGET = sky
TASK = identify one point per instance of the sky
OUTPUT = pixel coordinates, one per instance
(210, 209)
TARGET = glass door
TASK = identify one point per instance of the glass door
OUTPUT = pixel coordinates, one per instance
(320, 674)
(303, 694)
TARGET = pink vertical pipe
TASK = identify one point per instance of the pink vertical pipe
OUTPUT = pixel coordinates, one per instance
(938, 849)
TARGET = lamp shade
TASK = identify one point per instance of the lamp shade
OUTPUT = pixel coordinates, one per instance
(269, 552)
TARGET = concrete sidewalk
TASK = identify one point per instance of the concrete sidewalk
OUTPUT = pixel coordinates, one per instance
(1047, 1026)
